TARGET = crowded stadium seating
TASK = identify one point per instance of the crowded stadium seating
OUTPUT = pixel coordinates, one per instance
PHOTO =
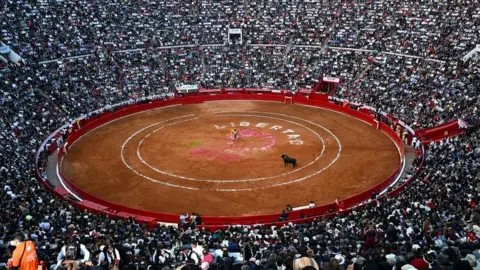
(401, 57)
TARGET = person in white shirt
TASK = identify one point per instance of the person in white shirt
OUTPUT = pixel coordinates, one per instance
(418, 143)
(161, 256)
(198, 249)
(183, 218)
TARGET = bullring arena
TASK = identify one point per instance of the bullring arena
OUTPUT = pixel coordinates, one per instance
(240, 135)
(182, 158)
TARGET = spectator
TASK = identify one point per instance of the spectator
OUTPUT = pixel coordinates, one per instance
(80, 56)
(109, 258)
(161, 257)
(73, 255)
(303, 262)
(198, 249)
(190, 256)
(24, 255)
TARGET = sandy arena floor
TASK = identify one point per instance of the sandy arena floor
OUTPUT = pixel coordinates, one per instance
(183, 159)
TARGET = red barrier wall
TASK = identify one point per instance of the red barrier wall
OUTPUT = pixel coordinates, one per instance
(101, 206)
(446, 130)
(392, 193)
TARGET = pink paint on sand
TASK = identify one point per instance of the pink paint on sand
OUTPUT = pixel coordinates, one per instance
(236, 150)
(267, 137)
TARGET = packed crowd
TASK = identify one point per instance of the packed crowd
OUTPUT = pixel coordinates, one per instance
(440, 29)
(422, 93)
(433, 224)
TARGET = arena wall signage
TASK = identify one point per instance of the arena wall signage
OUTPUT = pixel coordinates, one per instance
(293, 138)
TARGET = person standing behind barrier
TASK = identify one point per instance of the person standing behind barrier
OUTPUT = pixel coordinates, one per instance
(183, 219)
(25, 256)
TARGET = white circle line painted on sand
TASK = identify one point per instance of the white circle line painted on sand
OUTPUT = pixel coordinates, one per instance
(120, 118)
(299, 179)
(145, 176)
(231, 180)
(244, 189)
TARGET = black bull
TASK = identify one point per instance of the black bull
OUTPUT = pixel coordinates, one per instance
(289, 160)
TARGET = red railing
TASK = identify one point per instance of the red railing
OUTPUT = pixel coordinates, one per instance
(101, 206)
(449, 129)
(392, 193)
